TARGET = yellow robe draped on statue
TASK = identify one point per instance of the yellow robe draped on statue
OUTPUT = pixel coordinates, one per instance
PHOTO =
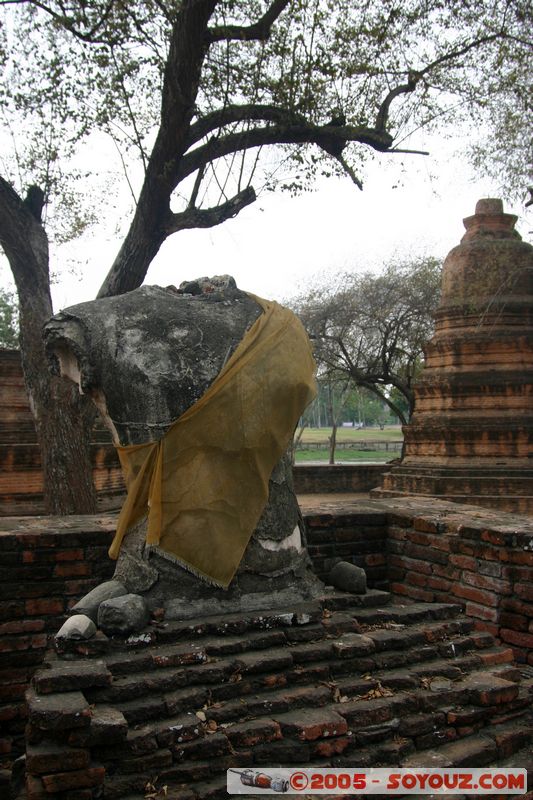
(204, 484)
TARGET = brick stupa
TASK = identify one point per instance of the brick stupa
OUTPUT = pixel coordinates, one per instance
(470, 439)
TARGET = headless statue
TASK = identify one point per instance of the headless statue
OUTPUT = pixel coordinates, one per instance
(145, 358)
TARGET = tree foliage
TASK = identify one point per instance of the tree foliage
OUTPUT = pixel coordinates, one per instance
(372, 329)
(255, 74)
(9, 331)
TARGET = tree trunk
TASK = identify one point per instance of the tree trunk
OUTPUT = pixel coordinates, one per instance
(150, 224)
(63, 434)
(298, 438)
(333, 417)
(63, 420)
(333, 442)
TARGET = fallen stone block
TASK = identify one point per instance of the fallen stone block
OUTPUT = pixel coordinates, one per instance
(123, 615)
(90, 604)
(80, 626)
(348, 578)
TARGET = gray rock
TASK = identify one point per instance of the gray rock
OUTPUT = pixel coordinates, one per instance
(80, 626)
(135, 573)
(348, 578)
(123, 615)
(89, 604)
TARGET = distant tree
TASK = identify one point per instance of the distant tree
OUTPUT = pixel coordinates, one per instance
(199, 91)
(364, 408)
(372, 329)
(9, 331)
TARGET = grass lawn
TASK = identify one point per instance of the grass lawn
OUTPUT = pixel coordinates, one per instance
(341, 456)
(390, 433)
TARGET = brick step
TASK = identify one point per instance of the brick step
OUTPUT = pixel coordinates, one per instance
(320, 737)
(216, 788)
(516, 504)
(334, 684)
(479, 750)
(416, 482)
(315, 624)
(215, 661)
(336, 601)
(431, 470)
(408, 614)
(230, 683)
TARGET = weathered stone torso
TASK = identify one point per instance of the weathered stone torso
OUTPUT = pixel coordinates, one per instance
(151, 353)
(145, 357)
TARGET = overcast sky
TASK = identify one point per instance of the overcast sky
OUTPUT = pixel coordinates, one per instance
(275, 247)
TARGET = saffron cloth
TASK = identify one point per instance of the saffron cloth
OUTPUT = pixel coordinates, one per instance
(204, 484)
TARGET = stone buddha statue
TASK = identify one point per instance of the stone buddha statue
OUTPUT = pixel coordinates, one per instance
(146, 358)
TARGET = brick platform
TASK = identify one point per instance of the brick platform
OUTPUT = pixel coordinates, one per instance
(349, 681)
(337, 478)
(429, 550)
(47, 565)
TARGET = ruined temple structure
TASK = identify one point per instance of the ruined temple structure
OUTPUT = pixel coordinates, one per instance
(470, 439)
(183, 679)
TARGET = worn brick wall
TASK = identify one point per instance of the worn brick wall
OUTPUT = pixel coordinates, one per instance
(325, 478)
(429, 550)
(354, 533)
(482, 558)
(46, 566)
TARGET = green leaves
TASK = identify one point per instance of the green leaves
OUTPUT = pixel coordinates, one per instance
(99, 66)
(9, 329)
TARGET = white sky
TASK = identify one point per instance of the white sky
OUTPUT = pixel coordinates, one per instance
(279, 244)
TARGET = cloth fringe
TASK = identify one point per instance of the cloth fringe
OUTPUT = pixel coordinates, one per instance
(153, 548)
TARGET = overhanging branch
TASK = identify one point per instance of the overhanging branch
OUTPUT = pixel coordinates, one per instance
(209, 217)
(415, 76)
(405, 88)
(242, 113)
(330, 138)
(260, 30)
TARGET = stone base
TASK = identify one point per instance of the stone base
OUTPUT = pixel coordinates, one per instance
(506, 488)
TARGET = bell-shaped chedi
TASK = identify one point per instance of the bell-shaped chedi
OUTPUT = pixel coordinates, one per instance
(470, 439)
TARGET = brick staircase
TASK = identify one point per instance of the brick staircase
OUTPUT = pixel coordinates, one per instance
(348, 681)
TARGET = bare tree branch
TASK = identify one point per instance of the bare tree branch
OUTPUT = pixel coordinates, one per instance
(209, 217)
(415, 76)
(242, 113)
(89, 36)
(349, 171)
(329, 137)
(196, 188)
(405, 88)
(260, 30)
